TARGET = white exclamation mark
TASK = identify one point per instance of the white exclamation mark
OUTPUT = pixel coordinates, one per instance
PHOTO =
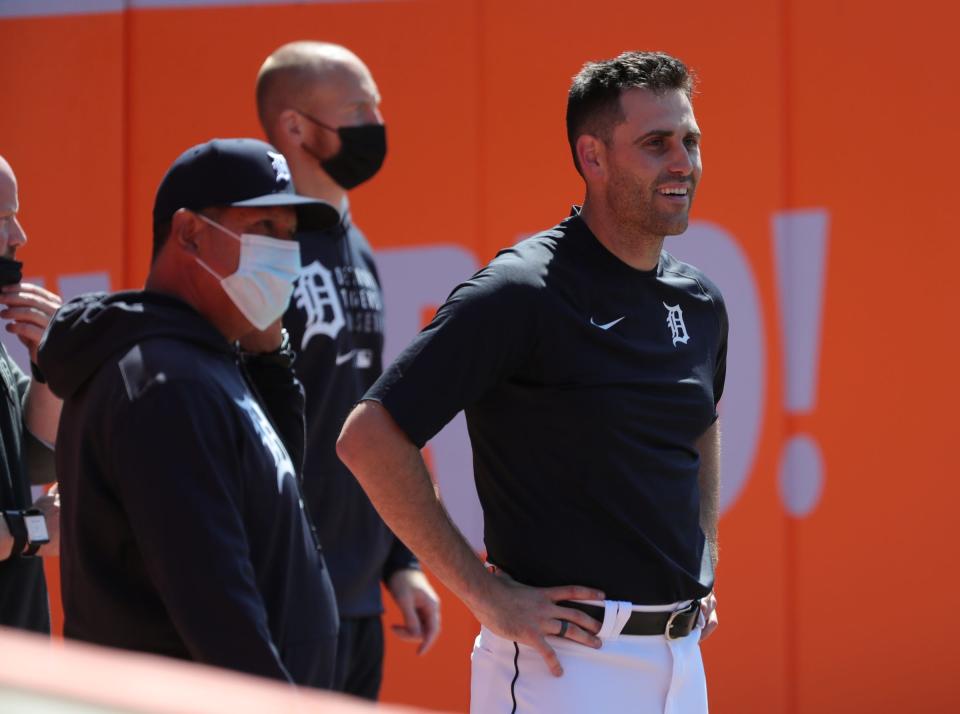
(800, 249)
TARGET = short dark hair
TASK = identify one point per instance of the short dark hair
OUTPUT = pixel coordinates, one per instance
(161, 230)
(593, 102)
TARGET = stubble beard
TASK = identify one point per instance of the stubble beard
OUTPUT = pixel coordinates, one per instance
(632, 203)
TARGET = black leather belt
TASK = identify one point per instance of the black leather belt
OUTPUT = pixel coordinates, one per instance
(672, 625)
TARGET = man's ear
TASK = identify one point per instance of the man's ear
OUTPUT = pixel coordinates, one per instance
(289, 125)
(184, 230)
(592, 155)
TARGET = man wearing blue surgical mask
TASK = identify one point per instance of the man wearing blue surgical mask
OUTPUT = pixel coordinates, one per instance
(319, 104)
(181, 437)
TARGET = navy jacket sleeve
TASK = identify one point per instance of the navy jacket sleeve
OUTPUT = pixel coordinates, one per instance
(399, 558)
(175, 448)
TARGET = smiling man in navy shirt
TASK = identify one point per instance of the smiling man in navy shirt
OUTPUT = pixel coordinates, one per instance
(589, 363)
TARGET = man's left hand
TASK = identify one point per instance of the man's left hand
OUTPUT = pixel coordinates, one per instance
(708, 608)
(420, 606)
(29, 309)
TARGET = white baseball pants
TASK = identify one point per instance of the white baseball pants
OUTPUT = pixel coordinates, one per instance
(629, 674)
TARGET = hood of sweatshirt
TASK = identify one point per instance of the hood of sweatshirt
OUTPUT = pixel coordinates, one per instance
(91, 329)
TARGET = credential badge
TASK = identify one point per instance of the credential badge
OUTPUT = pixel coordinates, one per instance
(280, 166)
(675, 322)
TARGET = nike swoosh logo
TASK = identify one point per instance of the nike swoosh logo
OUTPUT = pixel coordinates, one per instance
(606, 326)
(346, 357)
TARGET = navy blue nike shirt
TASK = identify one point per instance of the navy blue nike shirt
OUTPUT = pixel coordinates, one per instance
(585, 385)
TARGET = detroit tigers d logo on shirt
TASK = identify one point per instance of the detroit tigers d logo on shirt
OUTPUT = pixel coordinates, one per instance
(347, 296)
(316, 294)
(678, 330)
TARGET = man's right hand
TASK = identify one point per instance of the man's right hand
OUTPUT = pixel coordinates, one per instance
(529, 615)
(391, 470)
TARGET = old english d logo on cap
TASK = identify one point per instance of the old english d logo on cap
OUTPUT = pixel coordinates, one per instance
(236, 172)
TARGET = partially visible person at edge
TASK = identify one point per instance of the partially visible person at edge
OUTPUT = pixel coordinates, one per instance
(28, 431)
(184, 532)
(319, 105)
(589, 363)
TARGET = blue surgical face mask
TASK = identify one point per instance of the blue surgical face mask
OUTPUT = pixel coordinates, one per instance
(262, 284)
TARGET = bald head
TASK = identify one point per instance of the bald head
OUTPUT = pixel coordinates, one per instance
(8, 186)
(9, 203)
(307, 93)
(310, 76)
(11, 234)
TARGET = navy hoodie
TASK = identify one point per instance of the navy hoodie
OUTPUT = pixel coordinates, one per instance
(183, 529)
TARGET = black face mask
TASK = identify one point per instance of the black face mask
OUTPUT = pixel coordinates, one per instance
(10, 271)
(362, 151)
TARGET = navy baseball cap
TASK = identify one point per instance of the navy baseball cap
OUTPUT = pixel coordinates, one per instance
(236, 172)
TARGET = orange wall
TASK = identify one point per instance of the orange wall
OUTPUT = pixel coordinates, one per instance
(841, 106)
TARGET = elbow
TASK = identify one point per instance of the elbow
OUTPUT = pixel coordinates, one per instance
(345, 445)
(370, 442)
(349, 444)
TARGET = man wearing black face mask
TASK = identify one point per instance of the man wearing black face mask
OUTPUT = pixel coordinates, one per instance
(28, 426)
(319, 105)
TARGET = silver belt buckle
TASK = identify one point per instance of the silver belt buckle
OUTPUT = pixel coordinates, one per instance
(673, 616)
